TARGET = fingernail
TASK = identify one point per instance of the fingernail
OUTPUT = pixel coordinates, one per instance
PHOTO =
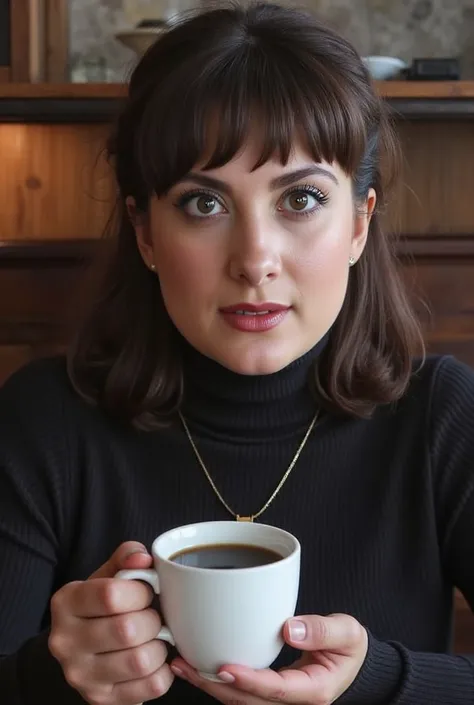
(133, 551)
(297, 630)
(177, 671)
(226, 677)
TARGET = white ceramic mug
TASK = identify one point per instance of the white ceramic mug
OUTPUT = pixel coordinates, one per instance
(221, 616)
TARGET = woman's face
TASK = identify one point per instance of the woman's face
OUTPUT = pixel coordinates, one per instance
(254, 265)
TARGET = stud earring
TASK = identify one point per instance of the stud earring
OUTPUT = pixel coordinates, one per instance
(152, 267)
(351, 261)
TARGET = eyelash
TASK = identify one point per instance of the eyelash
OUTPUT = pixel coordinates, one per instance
(184, 198)
(322, 198)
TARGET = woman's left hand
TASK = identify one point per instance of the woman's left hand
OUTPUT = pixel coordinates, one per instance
(334, 649)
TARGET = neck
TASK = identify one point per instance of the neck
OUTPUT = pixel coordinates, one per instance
(224, 403)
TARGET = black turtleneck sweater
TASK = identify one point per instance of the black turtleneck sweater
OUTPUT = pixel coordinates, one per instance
(384, 510)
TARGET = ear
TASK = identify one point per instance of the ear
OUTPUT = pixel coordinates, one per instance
(361, 224)
(142, 231)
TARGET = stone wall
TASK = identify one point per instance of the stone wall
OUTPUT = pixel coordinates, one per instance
(404, 28)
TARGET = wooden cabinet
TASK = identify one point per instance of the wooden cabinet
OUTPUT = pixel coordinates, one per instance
(33, 40)
(18, 23)
(54, 182)
(40, 297)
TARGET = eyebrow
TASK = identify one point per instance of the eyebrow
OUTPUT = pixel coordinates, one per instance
(279, 182)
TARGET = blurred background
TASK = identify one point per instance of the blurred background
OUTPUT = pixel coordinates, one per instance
(403, 28)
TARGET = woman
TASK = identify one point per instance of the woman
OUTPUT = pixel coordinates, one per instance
(251, 323)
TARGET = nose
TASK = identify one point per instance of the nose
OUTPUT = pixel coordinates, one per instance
(255, 258)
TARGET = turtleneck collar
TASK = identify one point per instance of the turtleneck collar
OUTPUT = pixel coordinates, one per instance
(234, 406)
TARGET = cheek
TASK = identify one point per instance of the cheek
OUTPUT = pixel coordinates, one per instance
(184, 273)
(324, 262)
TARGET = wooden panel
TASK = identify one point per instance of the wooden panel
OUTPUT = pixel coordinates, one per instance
(448, 288)
(57, 49)
(37, 40)
(38, 295)
(445, 248)
(4, 74)
(20, 40)
(436, 192)
(42, 291)
(53, 182)
(443, 291)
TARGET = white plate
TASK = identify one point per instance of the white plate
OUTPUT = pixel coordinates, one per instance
(382, 68)
(140, 39)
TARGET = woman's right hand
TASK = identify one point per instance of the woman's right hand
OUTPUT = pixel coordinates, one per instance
(103, 634)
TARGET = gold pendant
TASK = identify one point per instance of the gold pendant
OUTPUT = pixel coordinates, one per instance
(239, 518)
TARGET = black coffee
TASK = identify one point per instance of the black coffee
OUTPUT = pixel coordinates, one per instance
(225, 556)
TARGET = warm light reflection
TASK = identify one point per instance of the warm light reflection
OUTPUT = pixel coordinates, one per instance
(52, 183)
(12, 144)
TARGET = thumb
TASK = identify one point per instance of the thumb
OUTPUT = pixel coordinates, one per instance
(130, 554)
(339, 633)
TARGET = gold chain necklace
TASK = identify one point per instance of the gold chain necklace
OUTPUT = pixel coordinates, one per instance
(251, 517)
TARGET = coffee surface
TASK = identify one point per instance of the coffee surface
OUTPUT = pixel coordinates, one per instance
(225, 556)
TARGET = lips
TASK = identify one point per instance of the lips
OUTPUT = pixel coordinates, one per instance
(244, 309)
(254, 318)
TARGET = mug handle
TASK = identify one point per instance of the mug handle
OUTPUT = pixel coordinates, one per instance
(151, 577)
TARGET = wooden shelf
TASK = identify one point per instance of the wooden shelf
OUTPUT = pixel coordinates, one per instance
(99, 102)
(414, 90)
(422, 90)
(60, 102)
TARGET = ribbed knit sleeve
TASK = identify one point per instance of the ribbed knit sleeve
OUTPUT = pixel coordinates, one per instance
(391, 673)
(33, 525)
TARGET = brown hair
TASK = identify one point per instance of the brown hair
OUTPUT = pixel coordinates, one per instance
(296, 77)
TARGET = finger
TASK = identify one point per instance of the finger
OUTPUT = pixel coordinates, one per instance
(130, 554)
(339, 633)
(309, 684)
(129, 664)
(141, 690)
(121, 631)
(103, 597)
(219, 691)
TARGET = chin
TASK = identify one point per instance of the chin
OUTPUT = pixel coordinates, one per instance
(252, 364)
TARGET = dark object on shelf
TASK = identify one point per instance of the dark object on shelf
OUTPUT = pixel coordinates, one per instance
(447, 69)
(4, 33)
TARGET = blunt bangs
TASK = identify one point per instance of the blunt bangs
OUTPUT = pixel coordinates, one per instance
(203, 112)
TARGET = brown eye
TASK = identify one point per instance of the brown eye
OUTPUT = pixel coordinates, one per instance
(205, 204)
(201, 205)
(298, 201)
(303, 200)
